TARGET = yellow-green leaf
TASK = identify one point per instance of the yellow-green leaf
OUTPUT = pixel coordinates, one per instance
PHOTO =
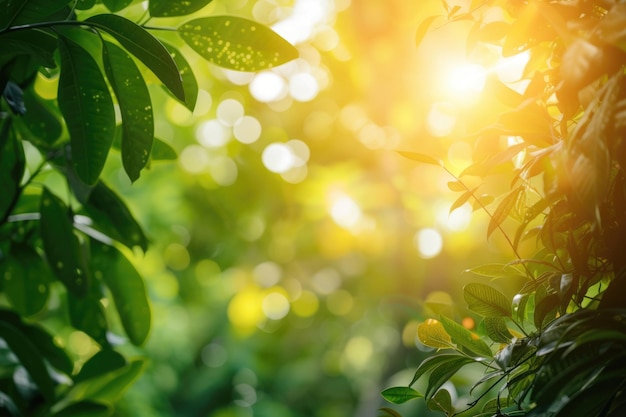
(431, 333)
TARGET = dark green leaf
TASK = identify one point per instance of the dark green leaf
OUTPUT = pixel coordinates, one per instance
(87, 107)
(423, 28)
(436, 361)
(464, 338)
(85, 4)
(42, 120)
(590, 401)
(486, 301)
(106, 360)
(169, 8)
(421, 158)
(42, 340)
(135, 108)
(20, 12)
(237, 43)
(116, 5)
(443, 372)
(84, 409)
(496, 329)
(12, 164)
(441, 401)
(504, 208)
(29, 357)
(399, 395)
(37, 44)
(190, 84)
(112, 217)
(61, 246)
(144, 47)
(87, 315)
(112, 385)
(546, 309)
(127, 289)
(14, 97)
(162, 151)
(26, 277)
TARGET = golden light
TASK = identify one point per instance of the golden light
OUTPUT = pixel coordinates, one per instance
(428, 242)
(466, 81)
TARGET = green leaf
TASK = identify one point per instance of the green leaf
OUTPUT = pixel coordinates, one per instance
(144, 47)
(496, 329)
(388, 412)
(84, 409)
(441, 401)
(436, 361)
(37, 44)
(443, 372)
(190, 84)
(464, 338)
(135, 108)
(494, 270)
(87, 314)
(25, 280)
(85, 4)
(42, 340)
(42, 120)
(486, 301)
(112, 385)
(116, 5)
(29, 357)
(432, 333)
(61, 246)
(169, 8)
(12, 164)
(546, 309)
(127, 289)
(87, 107)
(21, 12)
(414, 156)
(162, 151)
(112, 217)
(104, 361)
(504, 208)
(399, 395)
(236, 43)
(423, 28)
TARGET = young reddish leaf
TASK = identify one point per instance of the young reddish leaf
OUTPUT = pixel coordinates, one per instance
(419, 157)
(399, 395)
(431, 333)
(486, 301)
(422, 29)
(503, 209)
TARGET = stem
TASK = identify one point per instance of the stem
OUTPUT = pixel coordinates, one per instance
(482, 206)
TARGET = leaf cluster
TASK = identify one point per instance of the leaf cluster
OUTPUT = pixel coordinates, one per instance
(556, 347)
(74, 242)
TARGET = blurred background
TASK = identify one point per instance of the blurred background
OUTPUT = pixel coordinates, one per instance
(293, 250)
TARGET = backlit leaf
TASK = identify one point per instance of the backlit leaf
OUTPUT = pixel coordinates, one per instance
(127, 289)
(169, 8)
(135, 108)
(116, 5)
(87, 108)
(87, 315)
(443, 372)
(423, 28)
(190, 84)
(504, 208)
(462, 199)
(431, 333)
(61, 246)
(237, 43)
(111, 386)
(435, 361)
(462, 337)
(421, 158)
(84, 409)
(162, 151)
(144, 47)
(104, 361)
(399, 395)
(486, 301)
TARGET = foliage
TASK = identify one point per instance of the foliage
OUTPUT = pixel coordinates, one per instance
(66, 236)
(555, 348)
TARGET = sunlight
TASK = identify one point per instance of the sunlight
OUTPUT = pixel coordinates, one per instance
(212, 134)
(306, 15)
(466, 81)
(267, 86)
(345, 212)
(441, 119)
(428, 242)
(278, 157)
(275, 304)
(247, 129)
